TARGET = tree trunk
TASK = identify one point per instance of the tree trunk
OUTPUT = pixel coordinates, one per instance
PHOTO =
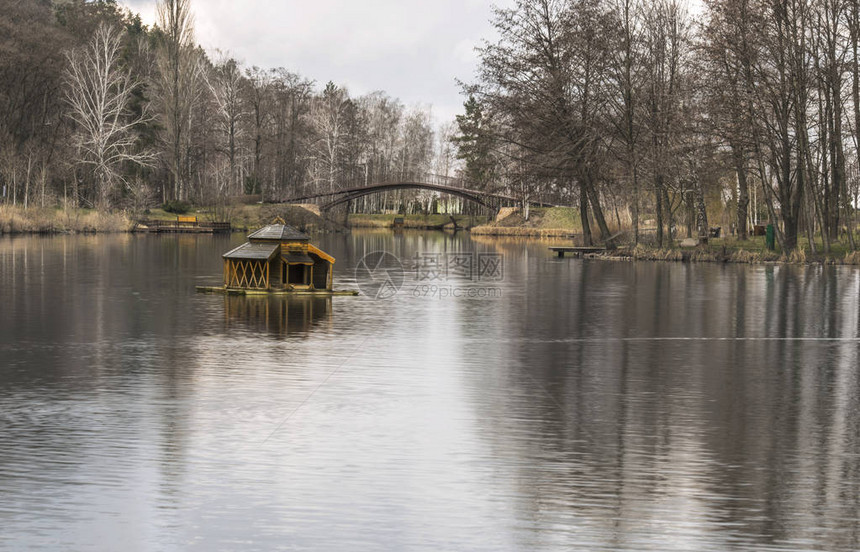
(587, 240)
(690, 212)
(597, 210)
(27, 181)
(702, 218)
(635, 206)
(855, 91)
(743, 191)
(667, 209)
(658, 202)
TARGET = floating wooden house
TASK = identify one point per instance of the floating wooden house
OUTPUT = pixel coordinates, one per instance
(278, 258)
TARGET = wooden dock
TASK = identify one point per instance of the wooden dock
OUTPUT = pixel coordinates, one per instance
(575, 251)
(182, 225)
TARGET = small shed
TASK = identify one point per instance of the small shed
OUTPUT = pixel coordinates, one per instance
(278, 257)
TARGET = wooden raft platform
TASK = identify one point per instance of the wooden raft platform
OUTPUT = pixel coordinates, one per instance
(182, 225)
(238, 291)
(575, 251)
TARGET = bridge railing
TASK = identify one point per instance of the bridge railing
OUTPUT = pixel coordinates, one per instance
(346, 185)
(423, 177)
(324, 194)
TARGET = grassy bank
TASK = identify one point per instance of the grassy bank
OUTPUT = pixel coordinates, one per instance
(731, 250)
(17, 220)
(564, 222)
(542, 223)
(414, 221)
(557, 224)
(241, 217)
(247, 217)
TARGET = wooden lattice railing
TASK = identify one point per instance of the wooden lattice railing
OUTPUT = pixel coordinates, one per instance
(247, 274)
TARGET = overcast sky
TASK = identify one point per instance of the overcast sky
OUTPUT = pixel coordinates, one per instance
(412, 49)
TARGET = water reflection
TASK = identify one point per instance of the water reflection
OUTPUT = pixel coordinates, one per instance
(594, 405)
(665, 397)
(277, 315)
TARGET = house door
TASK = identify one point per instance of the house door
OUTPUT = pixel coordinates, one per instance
(297, 274)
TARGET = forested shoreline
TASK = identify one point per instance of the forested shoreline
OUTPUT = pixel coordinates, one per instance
(645, 115)
(100, 111)
(637, 111)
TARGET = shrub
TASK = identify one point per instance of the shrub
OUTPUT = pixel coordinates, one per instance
(251, 186)
(852, 258)
(176, 206)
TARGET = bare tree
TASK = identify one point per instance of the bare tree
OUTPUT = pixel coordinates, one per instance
(328, 121)
(667, 41)
(832, 26)
(177, 87)
(626, 78)
(31, 99)
(781, 76)
(729, 49)
(257, 88)
(416, 143)
(225, 83)
(446, 156)
(544, 84)
(291, 99)
(99, 92)
(384, 116)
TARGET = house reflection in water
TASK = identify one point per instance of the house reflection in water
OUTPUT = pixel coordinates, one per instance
(277, 315)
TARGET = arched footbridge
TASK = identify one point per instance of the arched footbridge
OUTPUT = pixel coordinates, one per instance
(454, 186)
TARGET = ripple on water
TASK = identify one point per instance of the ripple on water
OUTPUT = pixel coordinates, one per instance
(594, 406)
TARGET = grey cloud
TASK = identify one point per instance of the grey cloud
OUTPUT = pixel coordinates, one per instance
(412, 49)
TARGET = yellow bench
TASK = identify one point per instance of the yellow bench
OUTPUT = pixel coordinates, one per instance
(186, 219)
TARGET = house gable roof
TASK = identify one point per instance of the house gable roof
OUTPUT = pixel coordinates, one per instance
(278, 232)
(253, 251)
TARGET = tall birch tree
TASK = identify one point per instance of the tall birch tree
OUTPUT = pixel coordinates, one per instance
(176, 88)
(98, 92)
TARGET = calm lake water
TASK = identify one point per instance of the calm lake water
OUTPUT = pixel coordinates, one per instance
(573, 405)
